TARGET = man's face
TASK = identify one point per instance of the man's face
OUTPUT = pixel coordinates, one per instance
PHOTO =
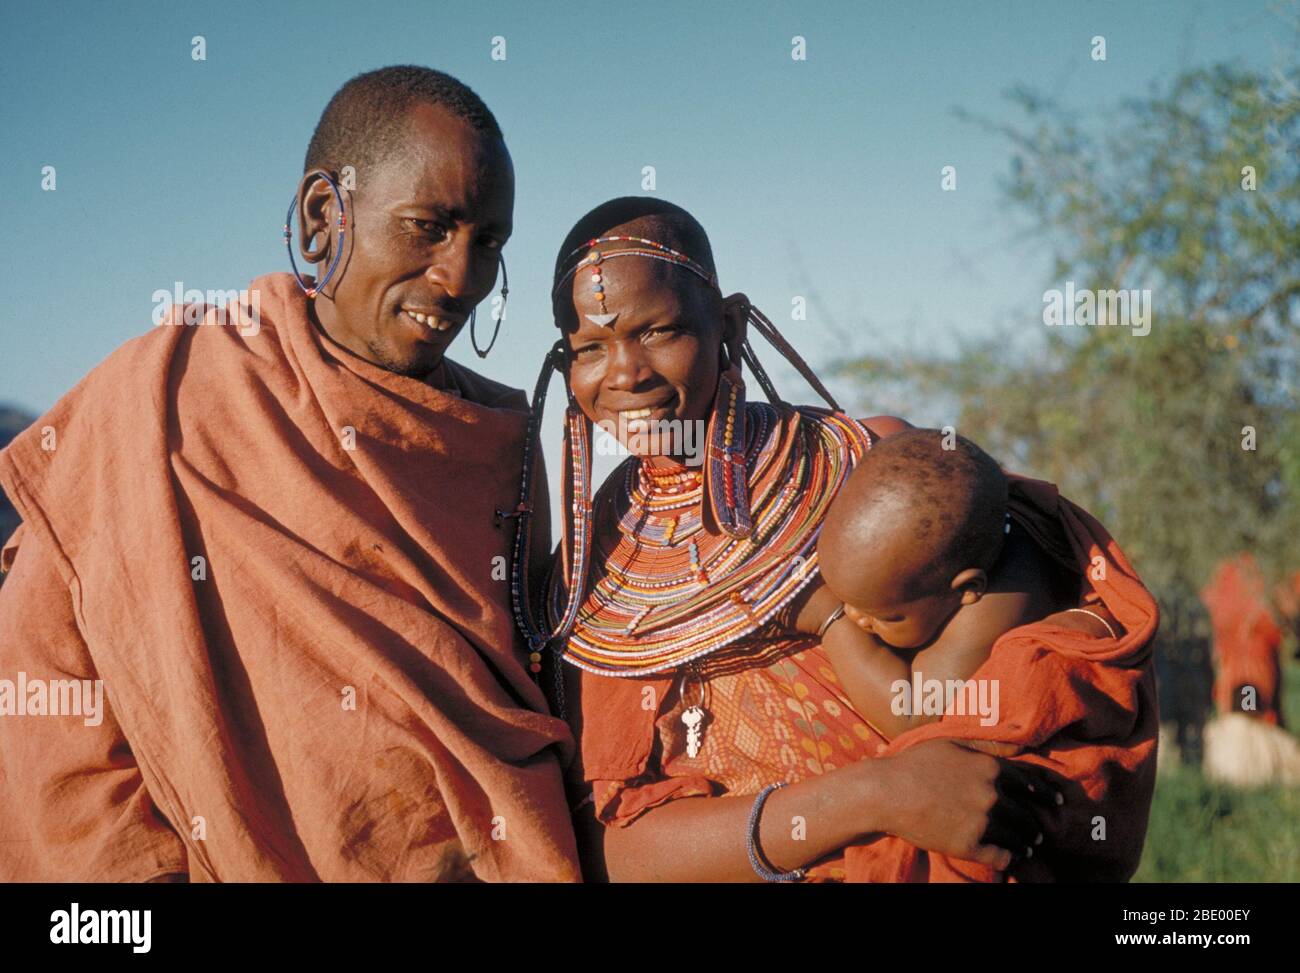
(425, 230)
(662, 354)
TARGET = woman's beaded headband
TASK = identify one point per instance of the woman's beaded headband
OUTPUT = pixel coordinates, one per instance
(311, 291)
(594, 258)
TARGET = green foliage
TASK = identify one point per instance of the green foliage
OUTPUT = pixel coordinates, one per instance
(1147, 431)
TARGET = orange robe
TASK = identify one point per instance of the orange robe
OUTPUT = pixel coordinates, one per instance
(282, 563)
(1084, 708)
(1246, 638)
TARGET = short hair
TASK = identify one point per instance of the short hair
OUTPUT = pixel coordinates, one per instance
(956, 496)
(364, 123)
(647, 216)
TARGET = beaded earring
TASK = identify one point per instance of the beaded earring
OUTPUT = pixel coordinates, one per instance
(550, 624)
(473, 315)
(342, 223)
(726, 480)
(575, 547)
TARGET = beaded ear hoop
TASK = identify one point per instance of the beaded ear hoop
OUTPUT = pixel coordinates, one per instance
(473, 315)
(342, 223)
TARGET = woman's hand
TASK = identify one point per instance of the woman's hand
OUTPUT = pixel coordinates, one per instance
(944, 797)
(938, 795)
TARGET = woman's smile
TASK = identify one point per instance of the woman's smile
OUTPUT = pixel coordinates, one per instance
(662, 410)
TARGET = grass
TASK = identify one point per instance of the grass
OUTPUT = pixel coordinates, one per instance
(1204, 832)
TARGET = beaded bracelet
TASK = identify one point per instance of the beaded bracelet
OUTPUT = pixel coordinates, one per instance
(762, 868)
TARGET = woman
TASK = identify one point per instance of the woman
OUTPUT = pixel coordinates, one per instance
(687, 601)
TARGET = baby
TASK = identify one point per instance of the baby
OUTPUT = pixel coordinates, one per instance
(920, 550)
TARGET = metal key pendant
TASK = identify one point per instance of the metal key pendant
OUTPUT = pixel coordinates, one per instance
(692, 718)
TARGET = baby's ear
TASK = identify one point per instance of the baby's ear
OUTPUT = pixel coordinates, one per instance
(972, 583)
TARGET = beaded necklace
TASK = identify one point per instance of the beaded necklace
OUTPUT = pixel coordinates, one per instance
(670, 591)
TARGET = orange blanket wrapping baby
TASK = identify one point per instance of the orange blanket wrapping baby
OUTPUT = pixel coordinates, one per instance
(283, 565)
(1083, 708)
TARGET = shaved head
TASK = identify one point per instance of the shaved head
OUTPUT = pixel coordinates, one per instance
(365, 123)
(643, 216)
(647, 216)
(937, 511)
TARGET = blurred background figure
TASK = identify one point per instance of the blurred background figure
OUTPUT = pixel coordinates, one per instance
(1245, 743)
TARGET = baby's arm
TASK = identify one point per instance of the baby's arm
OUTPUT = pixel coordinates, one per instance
(868, 668)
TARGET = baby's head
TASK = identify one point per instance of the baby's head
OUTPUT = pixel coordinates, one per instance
(913, 534)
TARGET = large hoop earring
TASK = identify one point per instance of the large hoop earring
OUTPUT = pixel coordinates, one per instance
(473, 315)
(342, 223)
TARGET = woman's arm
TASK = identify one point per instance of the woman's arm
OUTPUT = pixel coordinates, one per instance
(938, 795)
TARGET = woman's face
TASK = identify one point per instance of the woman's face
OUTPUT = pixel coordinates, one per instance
(661, 354)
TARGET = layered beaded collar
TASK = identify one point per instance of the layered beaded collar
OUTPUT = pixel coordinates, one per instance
(666, 591)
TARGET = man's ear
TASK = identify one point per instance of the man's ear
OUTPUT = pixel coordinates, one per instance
(972, 583)
(317, 215)
(735, 324)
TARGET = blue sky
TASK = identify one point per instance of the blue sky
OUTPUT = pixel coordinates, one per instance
(818, 176)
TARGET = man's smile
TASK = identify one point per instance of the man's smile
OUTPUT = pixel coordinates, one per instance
(431, 319)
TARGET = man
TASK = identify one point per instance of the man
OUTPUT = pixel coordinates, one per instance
(273, 537)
